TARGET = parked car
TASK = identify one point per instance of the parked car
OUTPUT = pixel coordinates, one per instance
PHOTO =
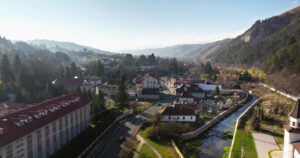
(122, 139)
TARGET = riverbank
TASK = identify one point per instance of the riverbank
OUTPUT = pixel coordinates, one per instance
(212, 143)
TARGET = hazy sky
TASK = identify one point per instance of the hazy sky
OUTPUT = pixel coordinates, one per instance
(133, 24)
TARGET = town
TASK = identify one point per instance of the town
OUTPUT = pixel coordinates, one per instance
(169, 86)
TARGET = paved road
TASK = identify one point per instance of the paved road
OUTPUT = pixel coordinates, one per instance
(110, 147)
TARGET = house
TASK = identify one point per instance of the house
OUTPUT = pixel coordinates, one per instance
(72, 83)
(186, 98)
(107, 89)
(195, 107)
(149, 87)
(150, 81)
(95, 81)
(192, 89)
(147, 67)
(180, 114)
(292, 133)
(41, 129)
(209, 87)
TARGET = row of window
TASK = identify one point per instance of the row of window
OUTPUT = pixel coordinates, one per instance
(179, 117)
(19, 143)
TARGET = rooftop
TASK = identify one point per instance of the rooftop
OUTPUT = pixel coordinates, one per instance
(177, 111)
(21, 122)
(295, 113)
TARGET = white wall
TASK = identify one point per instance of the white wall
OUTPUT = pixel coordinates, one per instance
(179, 118)
(198, 95)
(209, 87)
(186, 100)
(149, 82)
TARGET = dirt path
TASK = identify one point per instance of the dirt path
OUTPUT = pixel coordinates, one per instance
(143, 141)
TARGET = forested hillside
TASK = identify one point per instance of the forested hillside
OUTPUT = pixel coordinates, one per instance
(28, 72)
(187, 51)
(273, 45)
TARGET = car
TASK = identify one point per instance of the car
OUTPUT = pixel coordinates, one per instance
(122, 139)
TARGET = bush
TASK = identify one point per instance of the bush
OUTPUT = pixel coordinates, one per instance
(128, 148)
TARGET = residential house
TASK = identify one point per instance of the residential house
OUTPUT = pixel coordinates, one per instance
(72, 83)
(180, 114)
(192, 89)
(149, 87)
(186, 98)
(40, 130)
(147, 67)
(107, 89)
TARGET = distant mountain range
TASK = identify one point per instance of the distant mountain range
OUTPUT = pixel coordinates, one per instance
(55, 46)
(187, 51)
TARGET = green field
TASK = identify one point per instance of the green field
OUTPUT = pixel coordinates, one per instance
(146, 152)
(244, 140)
(163, 147)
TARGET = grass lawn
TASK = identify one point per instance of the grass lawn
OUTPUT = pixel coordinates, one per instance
(272, 123)
(244, 140)
(146, 152)
(163, 147)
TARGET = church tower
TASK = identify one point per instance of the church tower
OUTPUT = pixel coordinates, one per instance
(292, 133)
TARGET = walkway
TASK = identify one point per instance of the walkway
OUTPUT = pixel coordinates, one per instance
(264, 143)
(143, 141)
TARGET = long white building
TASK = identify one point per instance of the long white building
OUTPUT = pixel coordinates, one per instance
(39, 130)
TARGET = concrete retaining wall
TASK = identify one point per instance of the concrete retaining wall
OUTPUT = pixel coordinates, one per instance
(237, 124)
(211, 123)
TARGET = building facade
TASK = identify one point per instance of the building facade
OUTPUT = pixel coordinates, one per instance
(149, 81)
(292, 134)
(178, 114)
(40, 130)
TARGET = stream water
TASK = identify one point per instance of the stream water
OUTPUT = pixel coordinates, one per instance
(214, 142)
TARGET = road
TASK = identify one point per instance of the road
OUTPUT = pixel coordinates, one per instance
(110, 147)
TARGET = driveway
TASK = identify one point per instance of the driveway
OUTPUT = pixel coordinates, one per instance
(264, 143)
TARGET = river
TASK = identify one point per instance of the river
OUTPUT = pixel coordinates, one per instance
(214, 142)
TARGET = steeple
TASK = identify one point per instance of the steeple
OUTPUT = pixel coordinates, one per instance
(294, 116)
(295, 113)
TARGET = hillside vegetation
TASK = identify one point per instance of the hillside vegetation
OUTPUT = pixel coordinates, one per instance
(273, 45)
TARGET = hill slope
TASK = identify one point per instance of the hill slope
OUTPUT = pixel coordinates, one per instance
(272, 44)
(55, 46)
(187, 51)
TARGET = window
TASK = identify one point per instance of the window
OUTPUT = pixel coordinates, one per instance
(293, 123)
(8, 148)
(183, 117)
(169, 117)
(191, 117)
(298, 124)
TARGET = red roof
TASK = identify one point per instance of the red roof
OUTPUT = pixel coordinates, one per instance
(150, 74)
(11, 131)
(295, 113)
(70, 82)
(189, 106)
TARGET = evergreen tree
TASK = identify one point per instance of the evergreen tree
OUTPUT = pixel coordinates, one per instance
(73, 70)
(7, 75)
(68, 73)
(17, 64)
(99, 70)
(122, 96)
(217, 90)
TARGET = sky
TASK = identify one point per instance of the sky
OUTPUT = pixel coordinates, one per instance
(118, 25)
